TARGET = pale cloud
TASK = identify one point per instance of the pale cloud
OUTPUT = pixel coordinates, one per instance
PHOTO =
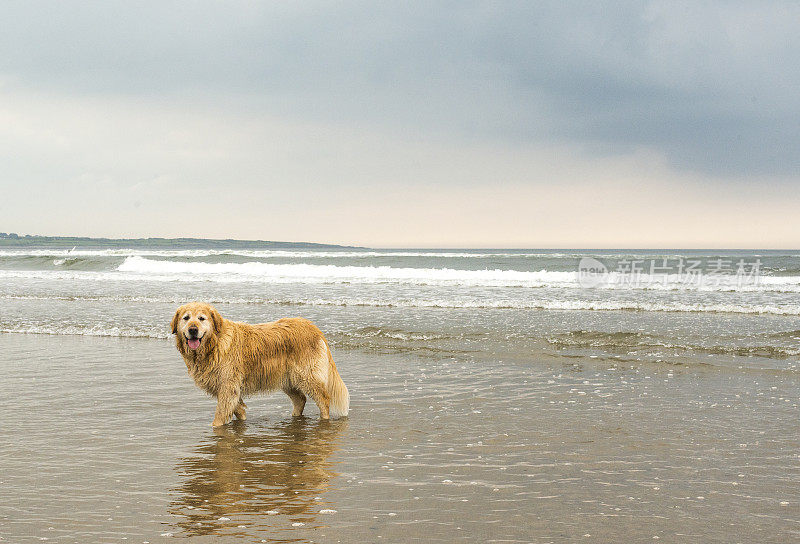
(121, 167)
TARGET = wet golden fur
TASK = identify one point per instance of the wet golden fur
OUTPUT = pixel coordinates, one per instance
(235, 360)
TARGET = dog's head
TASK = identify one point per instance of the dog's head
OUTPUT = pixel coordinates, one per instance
(196, 325)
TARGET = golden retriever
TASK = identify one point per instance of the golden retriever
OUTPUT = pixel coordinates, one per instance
(231, 360)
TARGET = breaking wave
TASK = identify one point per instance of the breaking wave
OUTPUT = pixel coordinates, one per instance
(291, 273)
(311, 273)
(270, 253)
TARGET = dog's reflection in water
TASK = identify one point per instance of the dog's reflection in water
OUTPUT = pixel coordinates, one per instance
(248, 470)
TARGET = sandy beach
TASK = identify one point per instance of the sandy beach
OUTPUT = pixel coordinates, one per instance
(107, 440)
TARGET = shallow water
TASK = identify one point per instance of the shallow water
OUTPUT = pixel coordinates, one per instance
(495, 397)
(107, 440)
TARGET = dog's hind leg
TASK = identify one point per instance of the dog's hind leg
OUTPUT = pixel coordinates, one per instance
(320, 395)
(241, 410)
(298, 401)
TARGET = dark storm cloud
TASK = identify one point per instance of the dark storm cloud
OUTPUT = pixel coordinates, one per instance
(713, 86)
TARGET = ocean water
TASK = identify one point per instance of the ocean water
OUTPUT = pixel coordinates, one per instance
(497, 396)
(477, 301)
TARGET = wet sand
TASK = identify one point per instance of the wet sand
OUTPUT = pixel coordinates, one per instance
(108, 440)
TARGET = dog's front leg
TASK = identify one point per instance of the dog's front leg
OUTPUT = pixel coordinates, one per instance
(227, 401)
(241, 410)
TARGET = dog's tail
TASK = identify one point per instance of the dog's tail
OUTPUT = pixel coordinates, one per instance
(337, 390)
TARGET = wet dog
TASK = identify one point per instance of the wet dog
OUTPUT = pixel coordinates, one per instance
(231, 360)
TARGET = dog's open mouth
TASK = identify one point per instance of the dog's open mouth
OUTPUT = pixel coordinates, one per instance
(194, 343)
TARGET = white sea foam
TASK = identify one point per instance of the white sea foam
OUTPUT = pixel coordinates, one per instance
(83, 330)
(301, 273)
(454, 303)
(136, 268)
(290, 273)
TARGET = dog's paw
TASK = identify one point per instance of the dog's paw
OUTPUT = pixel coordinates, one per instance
(218, 423)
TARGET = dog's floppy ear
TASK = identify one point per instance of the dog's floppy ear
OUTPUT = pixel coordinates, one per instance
(174, 323)
(216, 319)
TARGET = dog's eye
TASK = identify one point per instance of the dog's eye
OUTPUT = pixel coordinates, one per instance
(201, 318)
(186, 317)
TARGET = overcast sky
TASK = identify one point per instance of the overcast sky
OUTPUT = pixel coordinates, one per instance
(426, 124)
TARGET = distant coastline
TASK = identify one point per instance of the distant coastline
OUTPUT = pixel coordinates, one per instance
(28, 240)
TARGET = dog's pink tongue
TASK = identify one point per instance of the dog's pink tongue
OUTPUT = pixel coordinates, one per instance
(194, 343)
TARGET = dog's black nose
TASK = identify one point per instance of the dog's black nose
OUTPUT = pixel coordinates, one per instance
(193, 331)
